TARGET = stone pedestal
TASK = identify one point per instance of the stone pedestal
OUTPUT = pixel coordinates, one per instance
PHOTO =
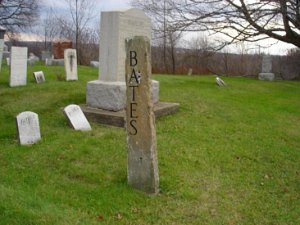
(112, 95)
(266, 76)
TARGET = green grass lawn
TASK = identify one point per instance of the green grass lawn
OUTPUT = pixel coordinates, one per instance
(229, 156)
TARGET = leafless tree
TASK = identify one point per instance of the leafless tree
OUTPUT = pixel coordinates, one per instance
(240, 20)
(166, 35)
(16, 14)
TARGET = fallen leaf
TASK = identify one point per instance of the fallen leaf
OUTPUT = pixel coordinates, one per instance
(100, 217)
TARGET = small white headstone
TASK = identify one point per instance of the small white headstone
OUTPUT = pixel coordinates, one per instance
(76, 118)
(28, 128)
(39, 77)
(18, 66)
(1, 51)
(8, 61)
(70, 59)
(220, 82)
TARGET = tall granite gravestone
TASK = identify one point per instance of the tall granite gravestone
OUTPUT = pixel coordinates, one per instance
(70, 58)
(140, 119)
(108, 92)
(28, 128)
(76, 118)
(266, 70)
(18, 66)
(2, 32)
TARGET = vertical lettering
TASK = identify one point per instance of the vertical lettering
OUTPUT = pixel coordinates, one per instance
(133, 126)
(132, 110)
(133, 59)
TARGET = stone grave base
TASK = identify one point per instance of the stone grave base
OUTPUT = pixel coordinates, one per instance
(266, 76)
(116, 119)
(112, 95)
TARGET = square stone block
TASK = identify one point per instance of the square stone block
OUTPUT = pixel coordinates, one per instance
(266, 76)
(112, 95)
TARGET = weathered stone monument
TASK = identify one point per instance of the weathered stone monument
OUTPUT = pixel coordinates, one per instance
(220, 82)
(70, 58)
(2, 32)
(39, 77)
(108, 92)
(140, 119)
(28, 128)
(46, 55)
(76, 118)
(32, 59)
(18, 66)
(266, 70)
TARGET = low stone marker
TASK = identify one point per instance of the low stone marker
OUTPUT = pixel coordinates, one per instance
(190, 72)
(28, 128)
(18, 66)
(266, 69)
(8, 61)
(39, 77)
(71, 64)
(140, 119)
(46, 55)
(220, 82)
(76, 118)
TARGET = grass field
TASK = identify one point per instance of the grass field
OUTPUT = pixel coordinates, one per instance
(229, 156)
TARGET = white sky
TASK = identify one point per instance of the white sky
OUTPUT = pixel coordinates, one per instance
(102, 5)
(107, 5)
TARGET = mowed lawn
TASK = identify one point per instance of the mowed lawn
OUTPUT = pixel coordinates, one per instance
(229, 156)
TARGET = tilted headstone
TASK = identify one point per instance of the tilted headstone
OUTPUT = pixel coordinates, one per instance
(76, 118)
(18, 66)
(108, 92)
(266, 70)
(220, 82)
(28, 128)
(2, 32)
(39, 77)
(140, 119)
(70, 64)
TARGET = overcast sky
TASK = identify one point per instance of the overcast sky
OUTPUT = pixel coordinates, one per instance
(107, 5)
(102, 5)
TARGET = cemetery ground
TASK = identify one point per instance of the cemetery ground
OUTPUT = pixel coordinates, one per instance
(229, 156)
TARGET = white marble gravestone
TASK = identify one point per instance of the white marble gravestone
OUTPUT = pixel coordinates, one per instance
(8, 61)
(39, 77)
(266, 70)
(76, 118)
(220, 82)
(18, 66)
(70, 61)
(2, 32)
(109, 91)
(28, 128)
